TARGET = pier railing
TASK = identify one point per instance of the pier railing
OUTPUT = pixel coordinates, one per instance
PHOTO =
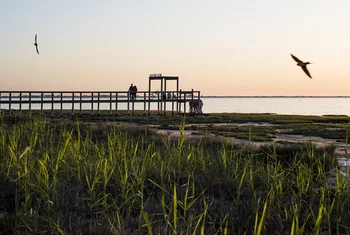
(77, 102)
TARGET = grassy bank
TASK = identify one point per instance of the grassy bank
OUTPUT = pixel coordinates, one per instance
(79, 177)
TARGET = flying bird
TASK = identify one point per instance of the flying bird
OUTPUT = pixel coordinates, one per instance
(36, 44)
(302, 65)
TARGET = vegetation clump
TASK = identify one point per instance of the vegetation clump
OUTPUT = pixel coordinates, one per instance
(112, 178)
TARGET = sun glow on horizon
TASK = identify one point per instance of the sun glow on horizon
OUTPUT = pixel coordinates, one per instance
(231, 48)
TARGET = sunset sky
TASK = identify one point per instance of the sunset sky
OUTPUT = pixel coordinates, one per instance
(218, 47)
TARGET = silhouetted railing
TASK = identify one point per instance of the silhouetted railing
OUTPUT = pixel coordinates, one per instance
(95, 101)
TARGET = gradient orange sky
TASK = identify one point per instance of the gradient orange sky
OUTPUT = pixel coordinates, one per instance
(217, 47)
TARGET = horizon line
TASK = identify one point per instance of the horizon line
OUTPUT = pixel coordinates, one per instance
(275, 96)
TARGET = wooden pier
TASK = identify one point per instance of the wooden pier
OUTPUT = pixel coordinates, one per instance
(77, 102)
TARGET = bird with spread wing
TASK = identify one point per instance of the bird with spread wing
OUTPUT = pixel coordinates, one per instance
(36, 43)
(302, 65)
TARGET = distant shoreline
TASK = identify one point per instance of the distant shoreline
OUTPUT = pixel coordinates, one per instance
(266, 96)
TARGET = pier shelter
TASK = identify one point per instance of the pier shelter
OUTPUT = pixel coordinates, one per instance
(164, 92)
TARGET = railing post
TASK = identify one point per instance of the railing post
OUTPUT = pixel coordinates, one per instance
(185, 104)
(20, 101)
(30, 104)
(172, 106)
(110, 102)
(116, 103)
(92, 102)
(161, 96)
(52, 104)
(72, 104)
(133, 105)
(80, 103)
(42, 103)
(179, 101)
(177, 96)
(144, 103)
(98, 103)
(61, 104)
(128, 102)
(149, 97)
(158, 103)
(166, 97)
(10, 98)
(199, 100)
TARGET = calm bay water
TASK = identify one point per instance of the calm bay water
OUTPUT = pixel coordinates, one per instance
(284, 105)
(279, 105)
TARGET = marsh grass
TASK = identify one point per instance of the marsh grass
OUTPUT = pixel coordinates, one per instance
(73, 177)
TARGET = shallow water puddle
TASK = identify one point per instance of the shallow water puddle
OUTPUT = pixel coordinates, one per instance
(344, 162)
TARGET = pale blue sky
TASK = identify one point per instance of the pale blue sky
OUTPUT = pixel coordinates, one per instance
(218, 47)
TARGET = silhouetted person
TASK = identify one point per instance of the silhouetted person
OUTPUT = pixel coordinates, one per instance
(134, 92)
(200, 106)
(131, 90)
